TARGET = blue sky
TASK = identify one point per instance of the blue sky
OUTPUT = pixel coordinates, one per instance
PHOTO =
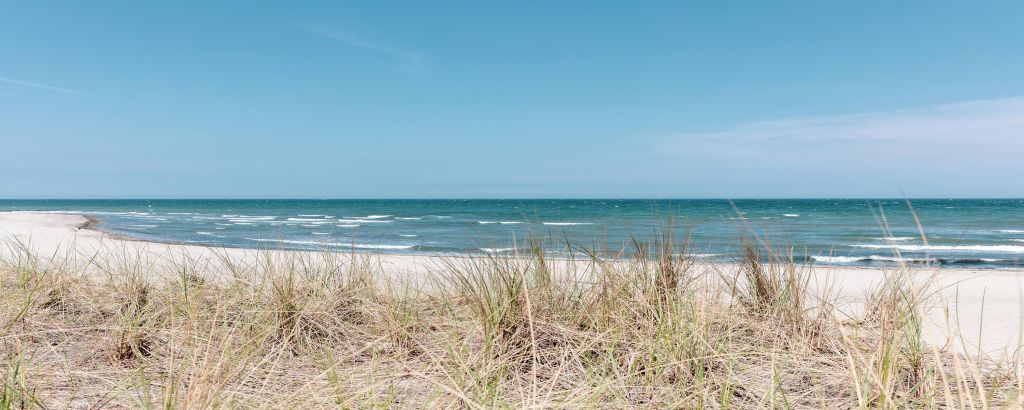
(513, 99)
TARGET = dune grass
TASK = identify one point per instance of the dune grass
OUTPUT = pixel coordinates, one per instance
(312, 330)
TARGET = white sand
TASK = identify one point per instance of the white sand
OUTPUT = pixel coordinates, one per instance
(987, 304)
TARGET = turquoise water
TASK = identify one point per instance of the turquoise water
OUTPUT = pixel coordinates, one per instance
(976, 232)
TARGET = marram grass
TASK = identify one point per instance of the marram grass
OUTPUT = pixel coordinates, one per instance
(306, 330)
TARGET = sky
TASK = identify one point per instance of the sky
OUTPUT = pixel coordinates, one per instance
(480, 99)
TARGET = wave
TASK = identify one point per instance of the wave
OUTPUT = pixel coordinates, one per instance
(320, 233)
(896, 238)
(320, 215)
(791, 215)
(361, 221)
(497, 250)
(145, 226)
(511, 222)
(373, 246)
(334, 244)
(306, 219)
(348, 225)
(703, 255)
(409, 218)
(254, 217)
(838, 259)
(891, 259)
(1017, 240)
(968, 248)
(80, 212)
(567, 223)
(486, 222)
(1010, 230)
(873, 258)
(378, 216)
(408, 236)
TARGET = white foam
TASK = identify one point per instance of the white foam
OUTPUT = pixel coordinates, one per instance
(359, 221)
(348, 225)
(837, 259)
(896, 238)
(486, 222)
(791, 215)
(1011, 231)
(497, 250)
(320, 233)
(312, 215)
(969, 248)
(567, 223)
(289, 241)
(510, 222)
(378, 216)
(1017, 240)
(181, 213)
(408, 236)
(895, 259)
(336, 244)
(409, 218)
(374, 246)
(703, 255)
(305, 219)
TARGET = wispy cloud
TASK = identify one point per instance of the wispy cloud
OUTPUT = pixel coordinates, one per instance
(410, 62)
(994, 126)
(14, 81)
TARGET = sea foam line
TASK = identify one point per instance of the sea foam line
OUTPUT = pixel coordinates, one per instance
(335, 244)
(971, 248)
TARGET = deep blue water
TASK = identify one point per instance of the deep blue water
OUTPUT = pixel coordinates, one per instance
(977, 232)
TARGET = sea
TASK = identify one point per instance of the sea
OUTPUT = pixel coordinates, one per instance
(981, 233)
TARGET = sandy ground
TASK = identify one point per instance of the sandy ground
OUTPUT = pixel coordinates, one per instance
(985, 305)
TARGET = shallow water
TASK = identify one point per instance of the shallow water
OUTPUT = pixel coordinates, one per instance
(975, 232)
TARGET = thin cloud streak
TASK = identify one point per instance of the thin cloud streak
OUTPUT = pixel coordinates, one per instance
(411, 62)
(996, 124)
(54, 88)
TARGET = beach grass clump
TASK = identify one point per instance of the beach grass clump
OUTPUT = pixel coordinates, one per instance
(651, 327)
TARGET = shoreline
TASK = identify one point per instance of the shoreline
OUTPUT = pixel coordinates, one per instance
(93, 223)
(984, 305)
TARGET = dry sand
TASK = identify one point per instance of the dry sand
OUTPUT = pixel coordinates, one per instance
(985, 305)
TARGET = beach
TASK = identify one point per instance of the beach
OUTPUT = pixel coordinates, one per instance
(975, 310)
